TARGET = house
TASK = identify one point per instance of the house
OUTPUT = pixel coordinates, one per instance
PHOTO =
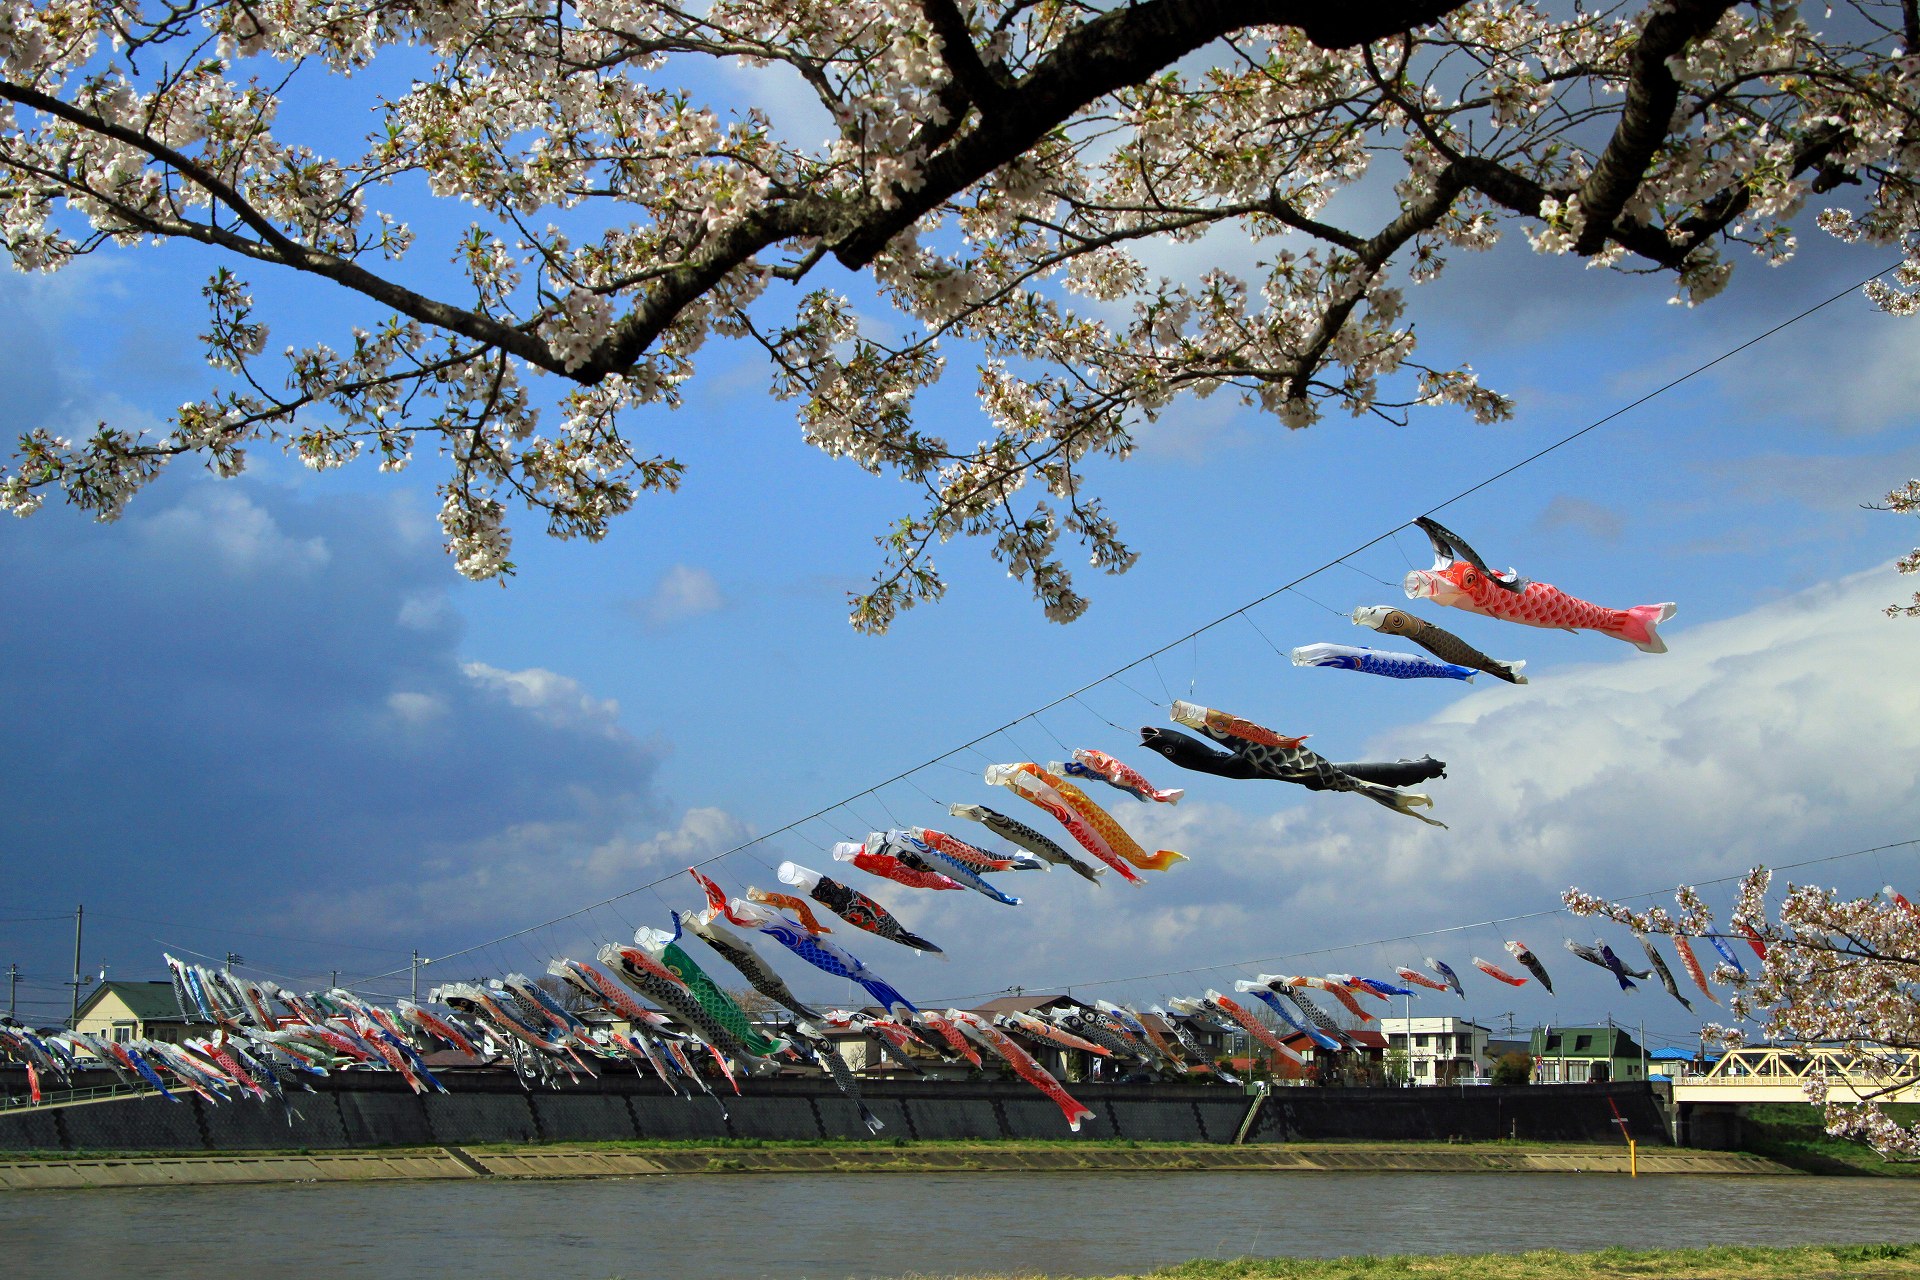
(1678, 1064)
(1435, 1050)
(1362, 1065)
(1586, 1055)
(126, 1011)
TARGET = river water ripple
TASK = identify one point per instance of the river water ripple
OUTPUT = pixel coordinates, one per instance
(810, 1226)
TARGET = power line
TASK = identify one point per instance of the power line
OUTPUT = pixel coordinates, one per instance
(1152, 654)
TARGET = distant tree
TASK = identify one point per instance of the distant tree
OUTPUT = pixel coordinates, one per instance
(1395, 1064)
(571, 998)
(1838, 971)
(754, 1003)
(1005, 176)
(1513, 1068)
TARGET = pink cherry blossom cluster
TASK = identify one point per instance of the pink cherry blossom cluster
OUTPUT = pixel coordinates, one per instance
(1836, 971)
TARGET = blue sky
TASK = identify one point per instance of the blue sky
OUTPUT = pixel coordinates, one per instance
(265, 715)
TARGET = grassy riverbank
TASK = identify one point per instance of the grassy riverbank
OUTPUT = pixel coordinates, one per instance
(1853, 1262)
(1793, 1134)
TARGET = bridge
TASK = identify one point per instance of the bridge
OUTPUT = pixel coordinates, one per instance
(1781, 1073)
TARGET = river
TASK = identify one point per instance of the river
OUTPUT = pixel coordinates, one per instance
(868, 1225)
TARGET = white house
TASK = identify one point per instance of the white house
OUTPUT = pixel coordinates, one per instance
(1436, 1050)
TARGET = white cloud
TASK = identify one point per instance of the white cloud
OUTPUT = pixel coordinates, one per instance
(558, 701)
(700, 834)
(224, 528)
(416, 708)
(524, 872)
(426, 611)
(682, 594)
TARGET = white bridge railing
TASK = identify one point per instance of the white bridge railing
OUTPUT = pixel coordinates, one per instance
(1776, 1073)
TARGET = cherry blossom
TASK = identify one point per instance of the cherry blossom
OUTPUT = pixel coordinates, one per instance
(1837, 971)
(998, 175)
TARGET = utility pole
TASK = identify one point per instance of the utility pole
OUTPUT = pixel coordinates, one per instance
(336, 980)
(13, 986)
(418, 960)
(234, 958)
(79, 919)
(1406, 1038)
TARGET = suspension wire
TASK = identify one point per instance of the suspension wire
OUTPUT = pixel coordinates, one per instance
(1262, 634)
(1114, 675)
(934, 800)
(1363, 573)
(1402, 550)
(1136, 693)
(1338, 613)
(1095, 714)
(1154, 660)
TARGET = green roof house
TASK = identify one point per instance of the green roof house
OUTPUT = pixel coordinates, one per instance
(1583, 1055)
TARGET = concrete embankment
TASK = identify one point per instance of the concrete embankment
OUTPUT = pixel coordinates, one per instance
(603, 1162)
(354, 1111)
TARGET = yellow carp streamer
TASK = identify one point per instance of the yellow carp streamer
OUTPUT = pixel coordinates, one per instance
(1110, 841)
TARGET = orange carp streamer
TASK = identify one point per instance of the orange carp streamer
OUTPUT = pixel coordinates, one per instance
(1196, 717)
(787, 901)
(1692, 965)
(1023, 1065)
(1420, 979)
(1495, 971)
